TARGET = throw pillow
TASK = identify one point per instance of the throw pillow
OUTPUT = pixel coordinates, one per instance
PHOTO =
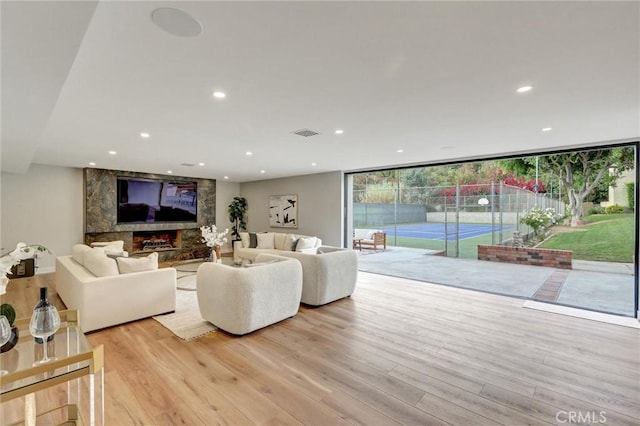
(253, 240)
(78, 251)
(111, 250)
(369, 235)
(97, 262)
(128, 265)
(265, 240)
(290, 242)
(279, 240)
(244, 237)
(305, 243)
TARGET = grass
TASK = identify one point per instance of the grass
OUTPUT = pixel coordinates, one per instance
(606, 217)
(607, 238)
(468, 248)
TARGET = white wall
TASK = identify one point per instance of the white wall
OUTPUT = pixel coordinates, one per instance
(618, 193)
(320, 204)
(42, 206)
(225, 191)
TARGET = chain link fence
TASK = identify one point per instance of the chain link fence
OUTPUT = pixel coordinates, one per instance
(496, 206)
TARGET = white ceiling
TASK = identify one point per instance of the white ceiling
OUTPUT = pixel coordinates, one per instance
(436, 79)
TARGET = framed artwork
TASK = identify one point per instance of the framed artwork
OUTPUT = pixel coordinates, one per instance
(283, 211)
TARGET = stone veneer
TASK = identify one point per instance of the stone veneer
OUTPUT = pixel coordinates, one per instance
(526, 256)
(100, 218)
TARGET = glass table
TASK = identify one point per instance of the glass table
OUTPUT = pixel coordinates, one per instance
(76, 361)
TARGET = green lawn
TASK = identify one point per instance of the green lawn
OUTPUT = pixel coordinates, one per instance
(468, 248)
(607, 238)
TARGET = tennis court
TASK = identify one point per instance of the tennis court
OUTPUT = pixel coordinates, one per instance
(436, 231)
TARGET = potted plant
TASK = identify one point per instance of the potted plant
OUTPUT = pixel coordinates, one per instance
(237, 210)
(213, 239)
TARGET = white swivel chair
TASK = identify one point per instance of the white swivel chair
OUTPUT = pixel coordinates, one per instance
(241, 300)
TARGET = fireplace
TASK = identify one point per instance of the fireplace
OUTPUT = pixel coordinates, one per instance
(161, 240)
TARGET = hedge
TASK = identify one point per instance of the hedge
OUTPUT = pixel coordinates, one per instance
(631, 189)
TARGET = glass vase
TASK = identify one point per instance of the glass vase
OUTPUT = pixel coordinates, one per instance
(45, 321)
(212, 255)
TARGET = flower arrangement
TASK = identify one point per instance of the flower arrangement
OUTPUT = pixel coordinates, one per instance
(211, 237)
(8, 261)
(12, 258)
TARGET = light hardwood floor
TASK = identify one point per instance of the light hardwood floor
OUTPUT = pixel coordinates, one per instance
(396, 352)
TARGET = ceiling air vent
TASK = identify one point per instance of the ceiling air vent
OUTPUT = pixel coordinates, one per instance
(305, 132)
(187, 164)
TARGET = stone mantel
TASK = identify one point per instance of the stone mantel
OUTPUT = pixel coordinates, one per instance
(100, 218)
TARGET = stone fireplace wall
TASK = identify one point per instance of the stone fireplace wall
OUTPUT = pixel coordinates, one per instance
(100, 219)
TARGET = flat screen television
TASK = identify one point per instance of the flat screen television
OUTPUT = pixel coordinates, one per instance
(156, 201)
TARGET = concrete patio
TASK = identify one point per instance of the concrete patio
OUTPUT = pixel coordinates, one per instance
(599, 286)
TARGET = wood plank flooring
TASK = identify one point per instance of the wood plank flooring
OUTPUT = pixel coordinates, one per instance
(396, 352)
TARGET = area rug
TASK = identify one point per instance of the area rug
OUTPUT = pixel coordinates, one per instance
(186, 322)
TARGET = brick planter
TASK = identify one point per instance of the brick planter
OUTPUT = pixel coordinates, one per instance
(526, 256)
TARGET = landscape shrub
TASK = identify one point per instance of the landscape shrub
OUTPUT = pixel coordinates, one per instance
(614, 209)
(538, 218)
(595, 210)
(631, 196)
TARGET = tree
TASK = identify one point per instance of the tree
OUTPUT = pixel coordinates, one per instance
(579, 172)
(414, 185)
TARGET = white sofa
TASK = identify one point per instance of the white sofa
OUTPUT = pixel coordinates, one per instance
(113, 298)
(272, 243)
(241, 300)
(329, 275)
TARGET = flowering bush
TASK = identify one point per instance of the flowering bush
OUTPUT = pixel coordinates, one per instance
(9, 260)
(538, 218)
(211, 237)
(614, 209)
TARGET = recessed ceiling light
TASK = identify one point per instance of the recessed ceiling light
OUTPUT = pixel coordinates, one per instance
(219, 95)
(524, 89)
(92, 163)
(169, 171)
(314, 164)
(400, 150)
(176, 22)
(339, 132)
(262, 171)
(547, 129)
(200, 164)
(112, 152)
(226, 177)
(248, 153)
(145, 135)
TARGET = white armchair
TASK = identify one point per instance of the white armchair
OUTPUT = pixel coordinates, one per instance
(329, 275)
(241, 300)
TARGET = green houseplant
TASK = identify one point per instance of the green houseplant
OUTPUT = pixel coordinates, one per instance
(237, 210)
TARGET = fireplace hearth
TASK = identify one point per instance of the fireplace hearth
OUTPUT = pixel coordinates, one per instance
(149, 241)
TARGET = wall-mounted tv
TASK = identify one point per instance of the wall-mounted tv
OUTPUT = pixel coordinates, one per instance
(155, 201)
